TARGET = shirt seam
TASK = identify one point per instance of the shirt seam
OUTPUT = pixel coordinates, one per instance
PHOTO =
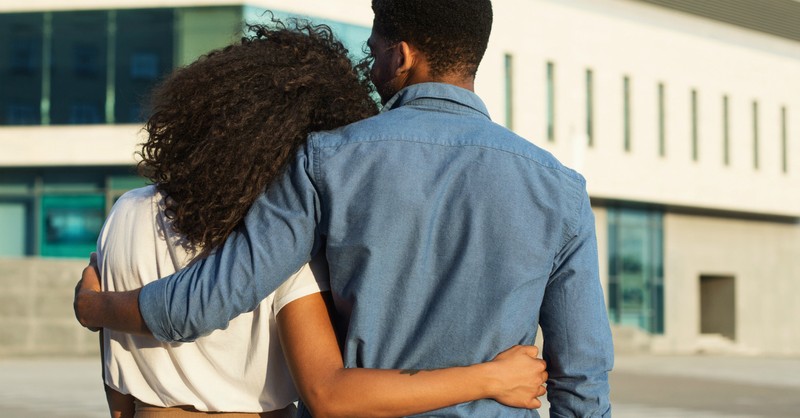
(446, 104)
(561, 169)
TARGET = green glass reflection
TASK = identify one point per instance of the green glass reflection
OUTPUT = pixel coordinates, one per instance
(70, 225)
(15, 224)
(636, 268)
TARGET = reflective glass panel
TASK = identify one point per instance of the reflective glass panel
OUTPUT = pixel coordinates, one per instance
(636, 268)
(79, 71)
(71, 225)
(21, 68)
(143, 51)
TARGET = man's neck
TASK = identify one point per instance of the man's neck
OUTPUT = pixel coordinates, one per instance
(422, 75)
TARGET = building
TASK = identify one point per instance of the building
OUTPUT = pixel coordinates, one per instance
(683, 116)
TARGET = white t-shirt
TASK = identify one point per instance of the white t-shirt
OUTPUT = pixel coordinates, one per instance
(239, 369)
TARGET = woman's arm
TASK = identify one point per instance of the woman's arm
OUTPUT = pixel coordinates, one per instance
(119, 405)
(514, 377)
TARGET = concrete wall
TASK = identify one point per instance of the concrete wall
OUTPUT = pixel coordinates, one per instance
(763, 258)
(36, 309)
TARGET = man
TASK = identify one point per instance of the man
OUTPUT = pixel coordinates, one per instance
(448, 237)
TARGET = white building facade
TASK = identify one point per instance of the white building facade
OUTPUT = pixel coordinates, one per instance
(685, 120)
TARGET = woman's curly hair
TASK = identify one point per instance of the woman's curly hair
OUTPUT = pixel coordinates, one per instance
(224, 127)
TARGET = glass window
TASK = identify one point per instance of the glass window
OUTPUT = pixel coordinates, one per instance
(636, 296)
(71, 225)
(626, 112)
(589, 107)
(22, 114)
(58, 211)
(23, 59)
(726, 132)
(784, 141)
(202, 29)
(662, 123)
(85, 61)
(21, 68)
(695, 139)
(144, 66)
(142, 57)
(79, 73)
(551, 102)
(123, 182)
(354, 37)
(82, 113)
(15, 222)
(509, 84)
(755, 136)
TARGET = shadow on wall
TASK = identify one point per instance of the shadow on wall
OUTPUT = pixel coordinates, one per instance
(36, 317)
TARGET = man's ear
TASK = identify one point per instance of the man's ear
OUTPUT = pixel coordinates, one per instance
(404, 57)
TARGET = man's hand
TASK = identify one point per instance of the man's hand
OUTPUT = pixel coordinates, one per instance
(87, 288)
(522, 376)
(96, 309)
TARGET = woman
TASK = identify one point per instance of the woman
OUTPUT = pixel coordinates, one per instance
(222, 129)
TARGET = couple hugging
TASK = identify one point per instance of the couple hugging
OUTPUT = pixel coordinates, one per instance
(375, 264)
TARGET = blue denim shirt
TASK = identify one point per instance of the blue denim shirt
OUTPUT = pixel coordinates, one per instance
(448, 237)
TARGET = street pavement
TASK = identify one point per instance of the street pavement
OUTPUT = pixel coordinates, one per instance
(642, 386)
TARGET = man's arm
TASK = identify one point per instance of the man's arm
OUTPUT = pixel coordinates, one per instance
(577, 340)
(95, 309)
(275, 239)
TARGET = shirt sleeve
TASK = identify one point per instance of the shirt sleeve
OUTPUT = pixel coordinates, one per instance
(276, 238)
(577, 339)
(312, 278)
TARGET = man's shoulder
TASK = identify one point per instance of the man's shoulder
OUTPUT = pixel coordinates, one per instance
(458, 131)
(515, 144)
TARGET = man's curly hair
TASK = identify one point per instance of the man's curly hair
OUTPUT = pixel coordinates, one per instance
(224, 127)
(453, 34)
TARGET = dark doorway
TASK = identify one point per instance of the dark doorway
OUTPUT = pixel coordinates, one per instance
(718, 305)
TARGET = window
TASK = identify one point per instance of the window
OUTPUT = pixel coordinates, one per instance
(71, 224)
(58, 211)
(79, 75)
(21, 114)
(784, 141)
(15, 222)
(755, 136)
(726, 132)
(85, 61)
(551, 102)
(143, 56)
(590, 107)
(144, 66)
(23, 57)
(636, 271)
(626, 111)
(695, 139)
(662, 135)
(21, 77)
(83, 113)
(509, 84)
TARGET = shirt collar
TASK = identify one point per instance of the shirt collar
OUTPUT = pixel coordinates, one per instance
(437, 91)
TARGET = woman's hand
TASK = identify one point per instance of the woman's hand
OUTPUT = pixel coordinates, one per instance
(518, 377)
